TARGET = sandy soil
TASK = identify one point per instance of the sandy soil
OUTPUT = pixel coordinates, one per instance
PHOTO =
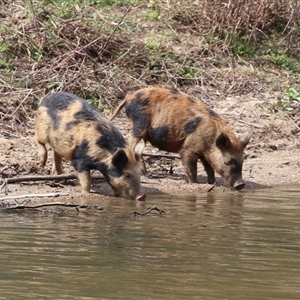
(272, 156)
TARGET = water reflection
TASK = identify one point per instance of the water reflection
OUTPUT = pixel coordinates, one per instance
(225, 245)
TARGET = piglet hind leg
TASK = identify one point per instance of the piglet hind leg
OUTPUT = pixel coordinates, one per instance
(42, 153)
(56, 167)
(143, 166)
(138, 145)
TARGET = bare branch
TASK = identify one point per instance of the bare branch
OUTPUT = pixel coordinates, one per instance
(212, 187)
(154, 207)
(161, 155)
(34, 196)
(293, 122)
(48, 177)
(64, 204)
(251, 124)
(4, 184)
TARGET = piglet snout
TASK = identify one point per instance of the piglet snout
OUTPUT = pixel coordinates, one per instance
(140, 197)
(239, 184)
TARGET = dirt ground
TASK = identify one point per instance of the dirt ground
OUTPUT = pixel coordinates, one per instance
(272, 156)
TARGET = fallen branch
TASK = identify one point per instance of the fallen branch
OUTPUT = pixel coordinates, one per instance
(136, 213)
(4, 184)
(212, 187)
(48, 177)
(33, 196)
(293, 122)
(161, 155)
(251, 124)
(64, 204)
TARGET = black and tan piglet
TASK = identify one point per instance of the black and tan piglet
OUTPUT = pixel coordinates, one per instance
(175, 122)
(79, 133)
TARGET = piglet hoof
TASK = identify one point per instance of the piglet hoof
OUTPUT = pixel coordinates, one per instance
(238, 185)
(85, 193)
(140, 198)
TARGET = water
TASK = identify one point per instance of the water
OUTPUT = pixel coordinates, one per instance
(228, 245)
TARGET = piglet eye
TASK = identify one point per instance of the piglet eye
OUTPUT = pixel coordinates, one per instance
(127, 175)
(230, 161)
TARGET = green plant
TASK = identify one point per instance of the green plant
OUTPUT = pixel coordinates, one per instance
(293, 94)
(280, 58)
(188, 70)
(109, 3)
(241, 45)
(190, 73)
(100, 104)
(54, 9)
(4, 64)
(152, 15)
(280, 105)
(154, 45)
(37, 53)
(53, 85)
(155, 12)
(285, 105)
(7, 36)
(129, 26)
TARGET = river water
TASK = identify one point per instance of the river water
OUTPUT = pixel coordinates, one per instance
(221, 245)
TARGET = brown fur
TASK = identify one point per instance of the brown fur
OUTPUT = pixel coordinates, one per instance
(169, 116)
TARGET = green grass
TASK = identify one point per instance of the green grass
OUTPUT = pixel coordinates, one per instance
(293, 94)
(241, 46)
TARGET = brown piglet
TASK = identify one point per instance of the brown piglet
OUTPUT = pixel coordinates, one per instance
(175, 122)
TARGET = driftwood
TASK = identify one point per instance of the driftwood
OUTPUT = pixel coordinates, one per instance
(136, 213)
(64, 204)
(47, 177)
(33, 196)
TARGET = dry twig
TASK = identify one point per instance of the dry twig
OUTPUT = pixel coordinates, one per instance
(161, 155)
(154, 207)
(212, 187)
(4, 185)
(294, 123)
(251, 124)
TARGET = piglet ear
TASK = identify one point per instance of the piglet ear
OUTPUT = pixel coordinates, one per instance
(119, 159)
(245, 138)
(223, 141)
(138, 149)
